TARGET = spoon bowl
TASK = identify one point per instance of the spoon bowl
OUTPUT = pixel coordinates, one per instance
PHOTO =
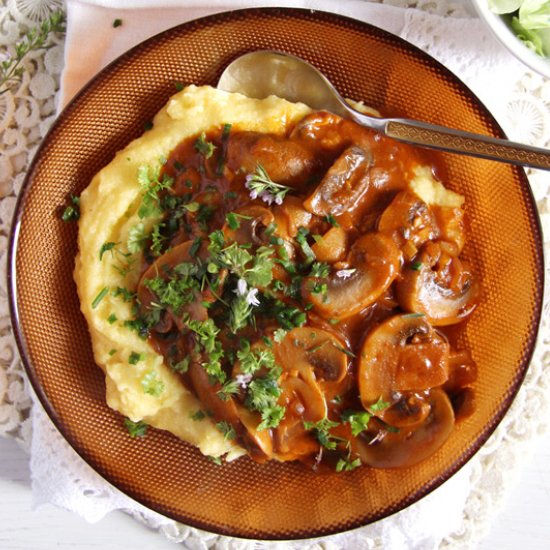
(262, 73)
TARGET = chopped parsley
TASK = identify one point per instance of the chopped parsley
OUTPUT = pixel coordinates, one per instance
(152, 385)
(136, 429)
(227, 430)
(135, 358)
(204, 147)
(151, 185)
(321, 431)
(71, 212)
(105, 247)
(198, 415)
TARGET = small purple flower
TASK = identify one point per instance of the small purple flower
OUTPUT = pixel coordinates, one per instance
(252, 297)
(243, 380)
(266, 197)
(242, 287)
(345, 273)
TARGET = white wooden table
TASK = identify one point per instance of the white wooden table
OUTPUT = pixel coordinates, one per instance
(523, 523)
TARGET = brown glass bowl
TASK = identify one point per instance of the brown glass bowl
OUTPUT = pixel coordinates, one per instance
(244, 499)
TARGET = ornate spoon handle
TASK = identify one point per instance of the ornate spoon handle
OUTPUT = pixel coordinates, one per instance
(457, 141)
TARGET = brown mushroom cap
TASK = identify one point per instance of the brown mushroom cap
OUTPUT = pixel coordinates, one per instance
(409, 445)
(315, 355)
(442, 287)
(346, 181)
(314, 363)
(258, 443)
(404, 353)
(374, 260)
(408, 219)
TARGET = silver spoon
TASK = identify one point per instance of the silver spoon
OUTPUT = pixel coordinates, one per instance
(262, 73)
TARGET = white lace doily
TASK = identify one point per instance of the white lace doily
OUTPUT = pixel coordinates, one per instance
(524, 112)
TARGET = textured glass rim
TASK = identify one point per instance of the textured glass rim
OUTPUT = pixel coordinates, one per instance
(70, 110)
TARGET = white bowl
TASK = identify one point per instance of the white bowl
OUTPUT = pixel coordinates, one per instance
(500, 28)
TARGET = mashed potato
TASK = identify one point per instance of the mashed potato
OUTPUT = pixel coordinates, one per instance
(138, 383)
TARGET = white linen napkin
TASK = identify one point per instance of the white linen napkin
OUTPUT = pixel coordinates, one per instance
(59, 476)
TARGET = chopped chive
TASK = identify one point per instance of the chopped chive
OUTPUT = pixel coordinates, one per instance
(104, 291)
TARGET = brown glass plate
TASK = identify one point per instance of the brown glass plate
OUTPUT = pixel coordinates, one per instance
(244, 499)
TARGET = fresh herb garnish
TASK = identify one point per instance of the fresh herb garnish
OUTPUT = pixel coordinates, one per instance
(71, 212)
(263, 187)
(135, 358)
(151, 185)
(227, 430)
(204, 147)
(331, 220)
(105, 247)
(151, 384)
(136, 429)
(198, 415)
(102, 293)
(137, 238)
(301, 239)
(347, 464)
(321, 431)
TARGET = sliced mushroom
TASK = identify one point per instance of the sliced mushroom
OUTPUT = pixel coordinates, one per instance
(253, 220)
(314, 363)
(441, 286)
(258, 443)
(374, 262)
(409, 445)
(314, 354)
(346, 181)
(462, 370)
(291, 215)
(408, 219)
(404, 353)
(332, 246)
(400, 360)
(291, 441)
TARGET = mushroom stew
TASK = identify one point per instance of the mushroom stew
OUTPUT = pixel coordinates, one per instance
(304, 293)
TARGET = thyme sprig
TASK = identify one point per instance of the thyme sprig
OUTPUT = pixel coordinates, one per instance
(262, 186)
(11, 70)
